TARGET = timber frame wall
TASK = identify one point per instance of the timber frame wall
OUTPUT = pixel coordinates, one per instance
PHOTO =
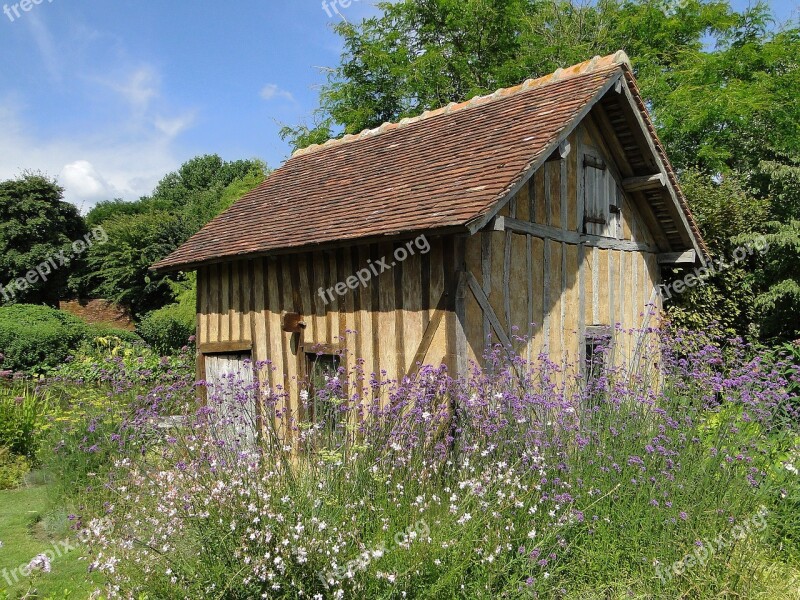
(403, 316)
(531, 272)
(534, 274)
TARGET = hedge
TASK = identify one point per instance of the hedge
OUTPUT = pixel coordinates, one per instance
(168, 329)
(37, 338)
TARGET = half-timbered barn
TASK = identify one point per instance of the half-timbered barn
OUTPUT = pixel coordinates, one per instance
(543, 211)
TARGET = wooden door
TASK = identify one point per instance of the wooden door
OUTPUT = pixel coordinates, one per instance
(230, 393)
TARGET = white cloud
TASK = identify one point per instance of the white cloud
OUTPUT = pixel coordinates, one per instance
(124, 159)
(272, 90)
(138, 88)
(172, 127)
(82, 179)
(45, 44)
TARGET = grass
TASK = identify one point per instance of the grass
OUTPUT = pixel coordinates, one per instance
(28, 527)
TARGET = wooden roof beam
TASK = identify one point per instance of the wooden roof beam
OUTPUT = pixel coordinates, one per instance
(561, 152)
(643, 183)
(678, 258)
(640, 129)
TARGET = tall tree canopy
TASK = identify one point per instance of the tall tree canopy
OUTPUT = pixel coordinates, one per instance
(140, 233)
(36, 228)
(722, 87)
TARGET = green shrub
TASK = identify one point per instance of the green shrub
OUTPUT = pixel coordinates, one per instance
(101, 330)
(37, 338)
(13, 469)
(23, 419)
(168, 329)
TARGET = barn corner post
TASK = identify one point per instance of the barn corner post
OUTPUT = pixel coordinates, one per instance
(459, 306)
(200, 365)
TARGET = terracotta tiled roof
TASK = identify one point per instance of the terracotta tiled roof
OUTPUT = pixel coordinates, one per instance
(442, 169)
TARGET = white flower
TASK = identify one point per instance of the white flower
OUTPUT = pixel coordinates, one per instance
(426, 415)
(464, 519)
(304, 395)
(41, 563)
(532, 533)
(791, 468)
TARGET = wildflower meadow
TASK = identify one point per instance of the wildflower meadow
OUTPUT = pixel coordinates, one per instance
(674, 477)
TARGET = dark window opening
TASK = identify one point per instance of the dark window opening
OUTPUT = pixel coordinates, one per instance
(597, 350)
(323, 388)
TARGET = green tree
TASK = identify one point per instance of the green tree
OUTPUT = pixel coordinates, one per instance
(195, 190)
(778, 279)
(37, 229)
(143, 232)
(727, 212)
(108, 209)
(120, 269)
(422, 54)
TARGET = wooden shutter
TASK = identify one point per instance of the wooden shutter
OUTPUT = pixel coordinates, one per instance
(602, 198)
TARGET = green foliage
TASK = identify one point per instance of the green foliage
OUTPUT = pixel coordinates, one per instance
(168, 329)
(13, 469)
(422, 54)
(726, 303)
(779, 276)
(109, 209)
(37, 337)
(724, 208)
(141, 233)
(23, 419)
(77, 451)
(239, 187)
(196, 190)
(723, 306)
(112, 361)
(734, 106)
(35, 225)
(102, 330)
(120, 269)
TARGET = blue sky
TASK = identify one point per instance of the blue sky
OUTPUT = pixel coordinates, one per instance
(110, 96)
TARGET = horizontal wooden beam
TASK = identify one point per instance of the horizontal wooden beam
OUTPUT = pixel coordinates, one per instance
(644, 182)
(226, 347)
(678, 258)
(570, 237)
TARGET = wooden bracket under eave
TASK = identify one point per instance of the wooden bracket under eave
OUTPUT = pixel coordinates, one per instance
(643, 183)
(689, 257)
(561, 152)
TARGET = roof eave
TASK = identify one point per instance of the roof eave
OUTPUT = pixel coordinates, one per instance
(311, 247)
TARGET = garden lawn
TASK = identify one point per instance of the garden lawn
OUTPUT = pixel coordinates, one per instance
(25, 532)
